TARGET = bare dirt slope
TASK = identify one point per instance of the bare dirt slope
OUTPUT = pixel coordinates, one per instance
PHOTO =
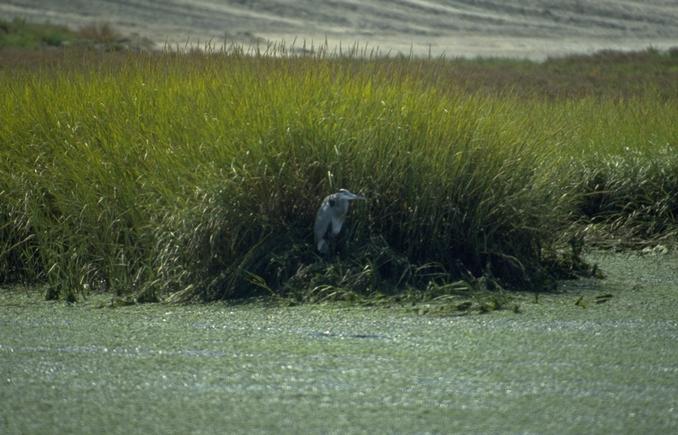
(516, 28)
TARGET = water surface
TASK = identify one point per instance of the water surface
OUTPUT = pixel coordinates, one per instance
(553, 368)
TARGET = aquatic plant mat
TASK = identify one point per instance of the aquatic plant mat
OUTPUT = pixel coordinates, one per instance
(196, 176)
(600, 357)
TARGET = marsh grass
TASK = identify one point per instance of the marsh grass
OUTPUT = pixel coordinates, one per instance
(198, 175)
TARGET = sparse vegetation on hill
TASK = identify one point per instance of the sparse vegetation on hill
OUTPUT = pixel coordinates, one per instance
(22, 35)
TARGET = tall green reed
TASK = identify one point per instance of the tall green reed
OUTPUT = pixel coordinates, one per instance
(200, 174)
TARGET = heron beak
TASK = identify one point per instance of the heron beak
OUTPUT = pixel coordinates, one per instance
(356, 196)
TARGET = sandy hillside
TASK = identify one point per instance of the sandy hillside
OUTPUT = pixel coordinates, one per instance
(527, 28)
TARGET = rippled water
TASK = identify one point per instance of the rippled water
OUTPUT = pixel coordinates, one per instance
(554, 368)
(456, 27)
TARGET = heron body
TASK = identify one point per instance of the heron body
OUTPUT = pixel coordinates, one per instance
(330, 218)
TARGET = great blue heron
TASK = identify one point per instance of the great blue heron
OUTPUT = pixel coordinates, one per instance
(330, 218)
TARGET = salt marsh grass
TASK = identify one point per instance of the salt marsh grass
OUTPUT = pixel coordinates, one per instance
(198, 175)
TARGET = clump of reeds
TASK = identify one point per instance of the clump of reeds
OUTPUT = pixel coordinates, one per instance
(199, 175)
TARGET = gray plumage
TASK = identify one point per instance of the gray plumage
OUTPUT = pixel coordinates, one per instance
(330, 218)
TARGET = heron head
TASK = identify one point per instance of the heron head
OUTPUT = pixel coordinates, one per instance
(350, 196)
